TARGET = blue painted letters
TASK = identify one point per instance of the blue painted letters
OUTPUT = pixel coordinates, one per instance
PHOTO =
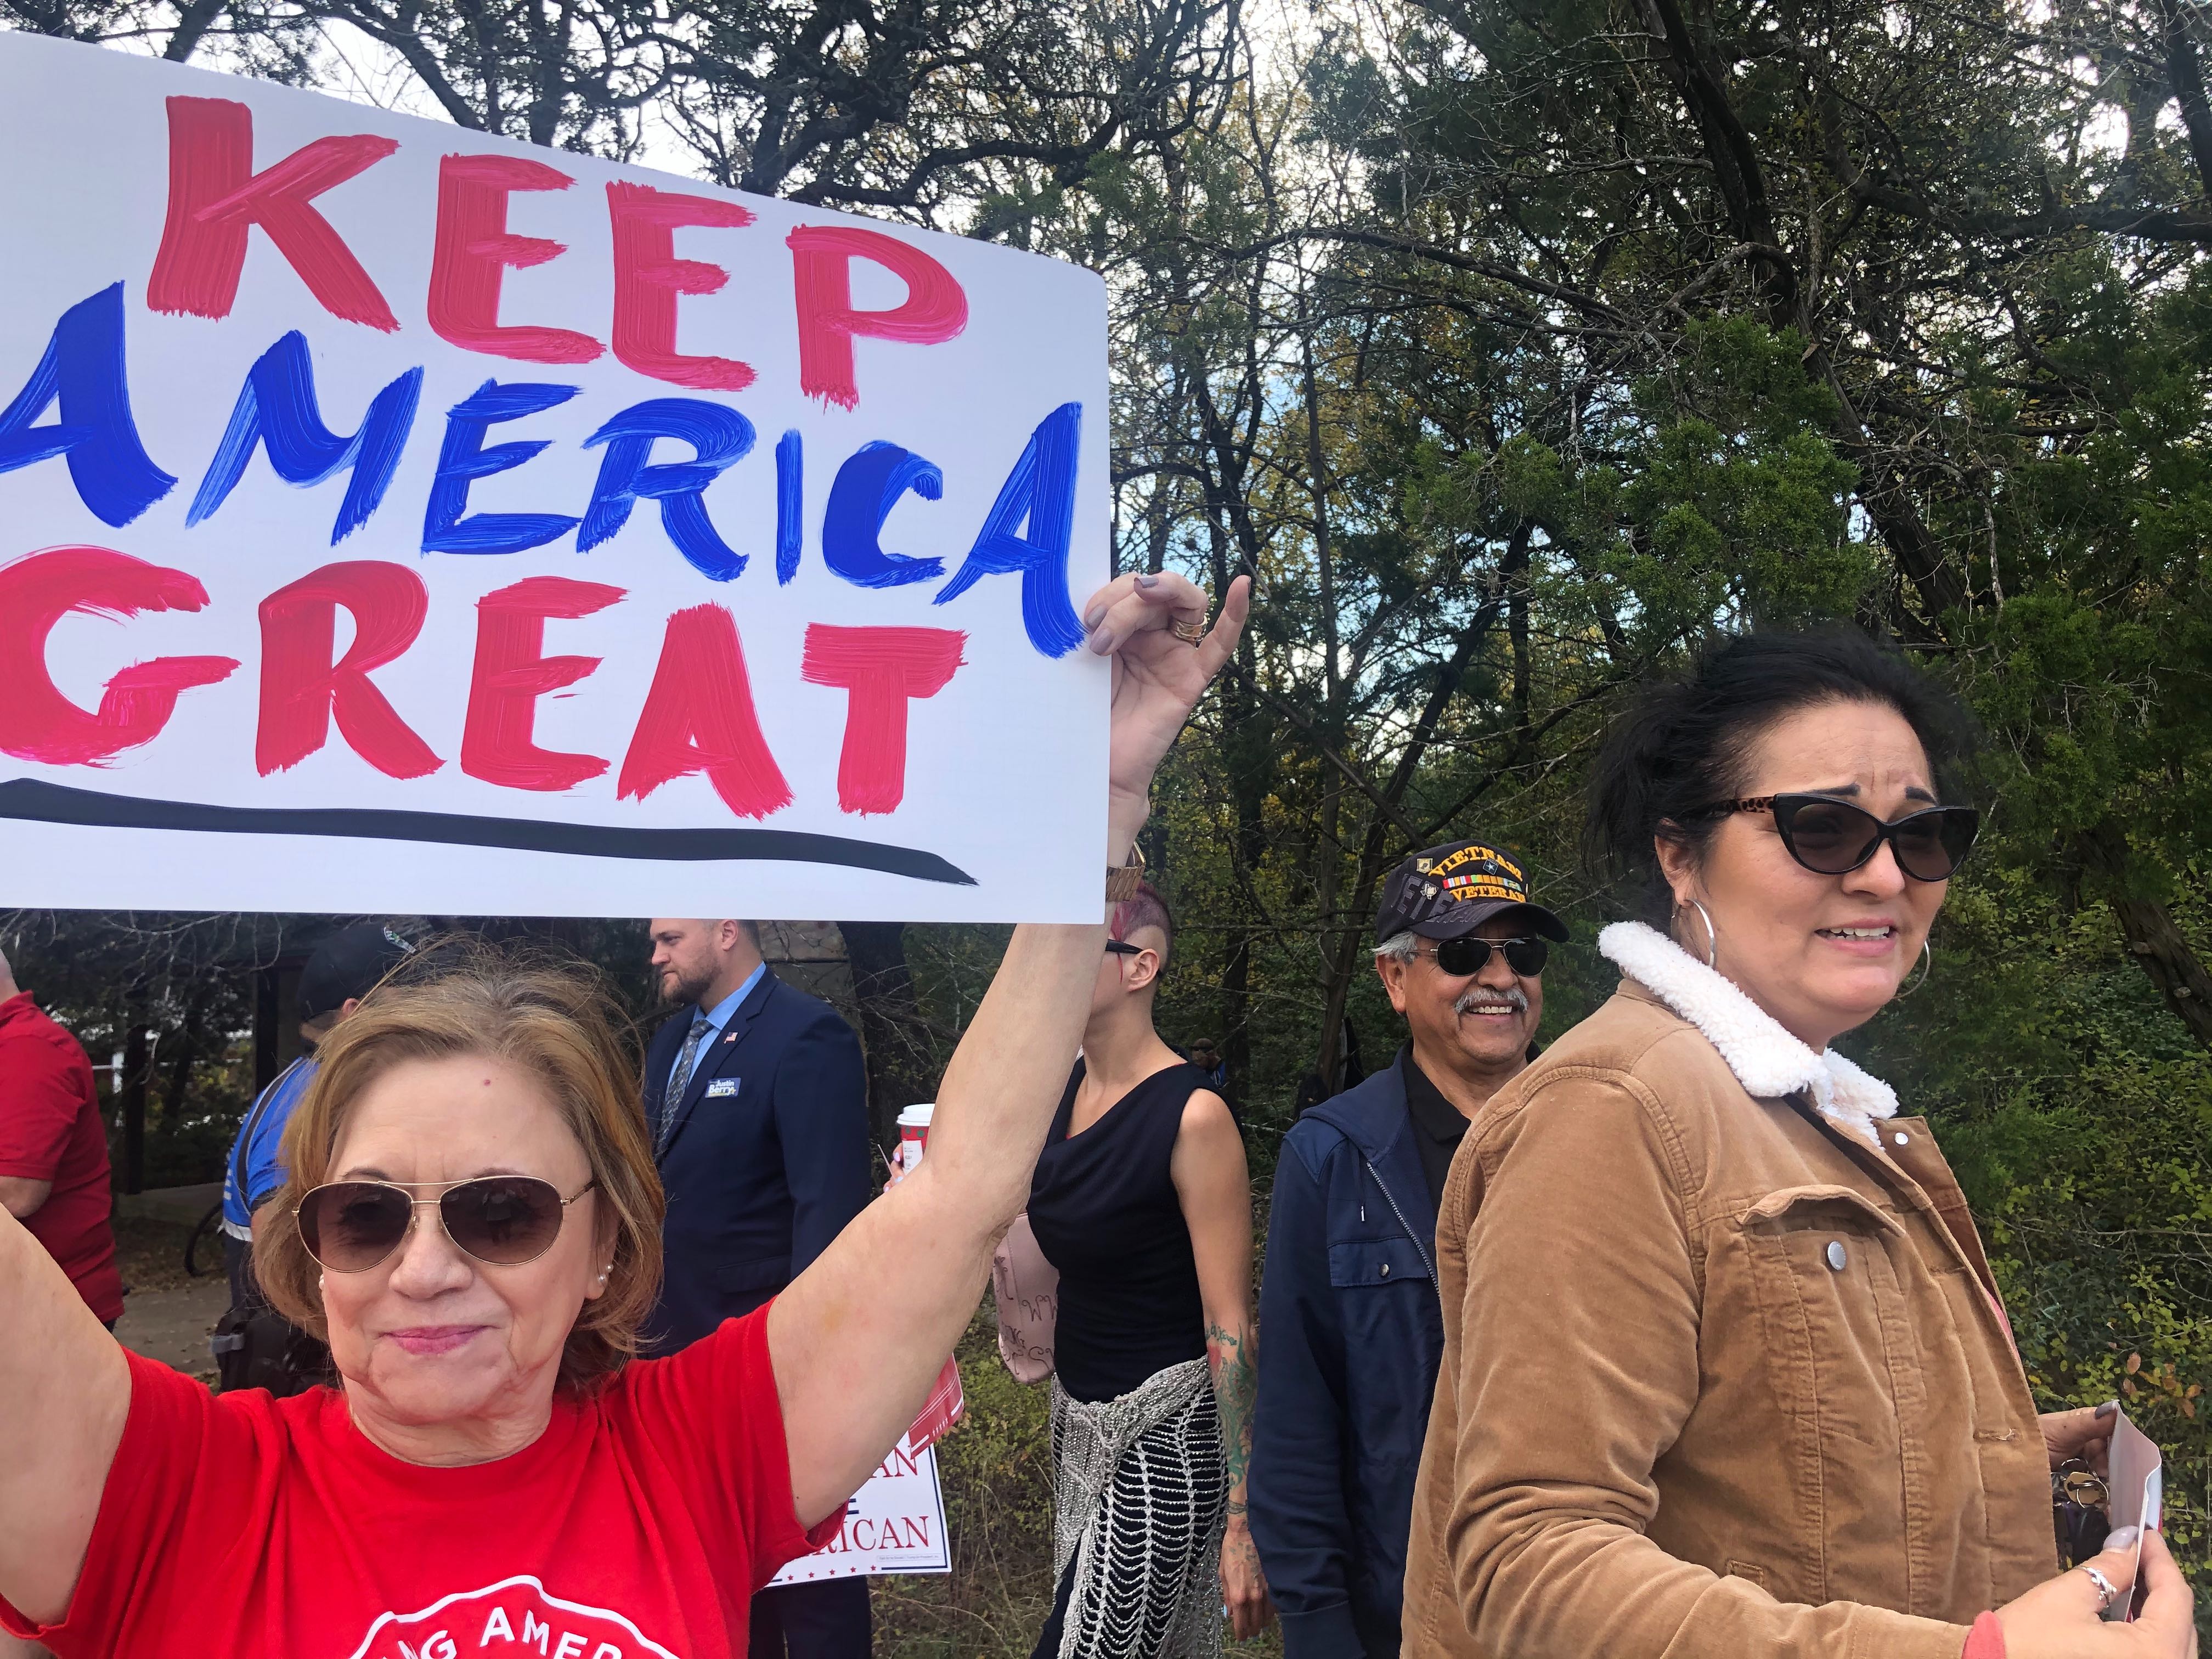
(790, 504)
(463, 457)
(83, 367)
(1041, 489)
(867, 488)
(276, 408)
(720, 437)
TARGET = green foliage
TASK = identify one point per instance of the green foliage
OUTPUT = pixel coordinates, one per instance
(2078, 1116)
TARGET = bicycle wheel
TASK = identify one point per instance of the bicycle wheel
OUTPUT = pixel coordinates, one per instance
(206, 1236)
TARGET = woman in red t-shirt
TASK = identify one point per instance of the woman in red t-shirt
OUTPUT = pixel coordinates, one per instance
(477, 1235)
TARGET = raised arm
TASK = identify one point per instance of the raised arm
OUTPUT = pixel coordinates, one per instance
(64, 1391)
(1214, 1185)
(861, 1334)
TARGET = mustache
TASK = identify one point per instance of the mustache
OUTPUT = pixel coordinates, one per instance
(1483, 996)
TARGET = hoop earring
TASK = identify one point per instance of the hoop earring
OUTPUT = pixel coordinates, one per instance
(1927, 966)
(1712, 933)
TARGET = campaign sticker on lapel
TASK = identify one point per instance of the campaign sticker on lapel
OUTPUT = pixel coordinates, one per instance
(722, 1088)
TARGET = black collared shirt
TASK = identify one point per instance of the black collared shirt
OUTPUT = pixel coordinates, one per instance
(1438, 1126)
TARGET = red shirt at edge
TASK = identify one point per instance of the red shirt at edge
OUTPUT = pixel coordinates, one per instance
(638, 1526)
(50, 1130)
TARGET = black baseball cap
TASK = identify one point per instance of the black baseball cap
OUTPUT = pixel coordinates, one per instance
(347, 965)
(1448, 892)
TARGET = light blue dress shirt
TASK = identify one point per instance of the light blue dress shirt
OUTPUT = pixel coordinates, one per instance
(717, 1018)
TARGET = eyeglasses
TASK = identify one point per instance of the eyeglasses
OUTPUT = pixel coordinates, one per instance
(1463, 957)
(1121, 947)
(351, 1226)
(1832, 837)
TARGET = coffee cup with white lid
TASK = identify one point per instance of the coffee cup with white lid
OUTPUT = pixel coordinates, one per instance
(913, 1136)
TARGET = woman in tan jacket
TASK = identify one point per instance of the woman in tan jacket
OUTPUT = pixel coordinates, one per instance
(1725, 1371)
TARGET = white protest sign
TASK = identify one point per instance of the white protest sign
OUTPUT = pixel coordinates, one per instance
(394, 517)
(895, 1524)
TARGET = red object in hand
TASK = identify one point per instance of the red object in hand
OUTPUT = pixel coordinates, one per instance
(1986, 1639)
(946, 1404)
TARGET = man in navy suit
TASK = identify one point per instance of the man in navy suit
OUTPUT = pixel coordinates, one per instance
(755, 1096)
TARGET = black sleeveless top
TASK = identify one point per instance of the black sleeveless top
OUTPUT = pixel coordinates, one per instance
(1105, 1213)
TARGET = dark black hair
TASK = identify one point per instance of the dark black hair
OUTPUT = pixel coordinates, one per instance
(1685, 744)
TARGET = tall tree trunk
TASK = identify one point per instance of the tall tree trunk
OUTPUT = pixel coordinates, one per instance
(902, 1065)
(2187, 77)
(138, 1058)
(187, 1053)
(2155, 943)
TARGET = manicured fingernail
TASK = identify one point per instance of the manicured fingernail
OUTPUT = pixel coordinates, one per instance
(2108, 1408)
(1092, 616)
(1102, 641)
(1149, 578)
(2122, 1537)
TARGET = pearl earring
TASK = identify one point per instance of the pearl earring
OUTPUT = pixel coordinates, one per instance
(319, 1281)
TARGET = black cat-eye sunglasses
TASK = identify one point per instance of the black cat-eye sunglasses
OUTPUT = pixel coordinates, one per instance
(1832, 837)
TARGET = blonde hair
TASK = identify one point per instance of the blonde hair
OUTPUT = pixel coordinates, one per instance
(553, 1018)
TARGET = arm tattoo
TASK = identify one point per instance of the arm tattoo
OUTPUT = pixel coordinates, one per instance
(1230, 1356)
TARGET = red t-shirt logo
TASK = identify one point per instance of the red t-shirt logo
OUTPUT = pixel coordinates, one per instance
(504, 1621)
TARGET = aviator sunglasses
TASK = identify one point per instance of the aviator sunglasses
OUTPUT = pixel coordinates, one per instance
(1832, 837)
(1462, 958)
(351, 1226)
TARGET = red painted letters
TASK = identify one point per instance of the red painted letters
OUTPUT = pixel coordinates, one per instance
(512, 673)
(881, 668)
(215, 196)
(934, 309)
(699, 717)
(301, 688)
(474, 248)
(37, 723)
(649, 278)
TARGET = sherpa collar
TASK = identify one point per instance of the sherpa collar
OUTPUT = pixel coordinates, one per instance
(1766, 1060)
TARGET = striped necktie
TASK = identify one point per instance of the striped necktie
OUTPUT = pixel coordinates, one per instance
(680, 1079)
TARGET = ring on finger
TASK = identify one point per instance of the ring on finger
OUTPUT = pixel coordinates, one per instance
(1190, 633)
(2106, 1593)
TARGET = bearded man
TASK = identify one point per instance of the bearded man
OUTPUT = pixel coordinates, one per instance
(1349, 1303)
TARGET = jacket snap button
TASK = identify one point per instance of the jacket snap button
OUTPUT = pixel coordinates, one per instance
(1901, 1137)
(1836, 1257)
(1386, 1270)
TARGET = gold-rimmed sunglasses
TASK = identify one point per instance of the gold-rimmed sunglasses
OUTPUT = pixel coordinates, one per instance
(351, 1226)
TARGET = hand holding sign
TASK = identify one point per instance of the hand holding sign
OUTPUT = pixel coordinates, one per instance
(858, 1339)
(1158, 677)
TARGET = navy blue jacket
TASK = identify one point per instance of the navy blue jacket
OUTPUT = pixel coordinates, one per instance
(762, 1175)
(1352, 1336)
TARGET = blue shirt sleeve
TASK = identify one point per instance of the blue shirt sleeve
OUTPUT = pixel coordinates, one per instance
(262, 1136)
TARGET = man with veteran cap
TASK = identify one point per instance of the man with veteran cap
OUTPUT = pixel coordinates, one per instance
(1349, 1302)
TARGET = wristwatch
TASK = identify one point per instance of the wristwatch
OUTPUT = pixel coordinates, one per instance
(1121, 883)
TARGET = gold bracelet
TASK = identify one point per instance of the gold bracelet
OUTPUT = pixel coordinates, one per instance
(1122, 885)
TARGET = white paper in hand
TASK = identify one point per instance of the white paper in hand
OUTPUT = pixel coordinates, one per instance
(2137, 1483)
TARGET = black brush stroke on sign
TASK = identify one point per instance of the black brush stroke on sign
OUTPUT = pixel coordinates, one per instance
(52, 803)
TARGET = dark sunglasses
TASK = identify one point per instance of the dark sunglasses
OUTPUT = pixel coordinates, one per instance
(349, 1226)
(1463, 957)
(1121, 947)
(1832, 837)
